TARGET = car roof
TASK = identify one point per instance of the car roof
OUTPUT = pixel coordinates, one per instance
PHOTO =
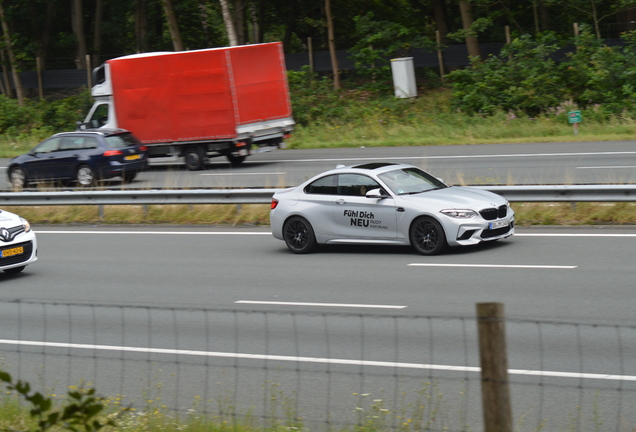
(374, 167)
(103, 132)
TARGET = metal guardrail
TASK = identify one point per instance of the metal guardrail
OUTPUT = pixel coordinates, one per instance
(556, 193)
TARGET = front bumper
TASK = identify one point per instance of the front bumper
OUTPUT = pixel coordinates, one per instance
(467, 233)
(28, 242)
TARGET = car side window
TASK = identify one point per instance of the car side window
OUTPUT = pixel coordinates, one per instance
(48, 146)
(355, 184)
(323, 186)
(88, 143)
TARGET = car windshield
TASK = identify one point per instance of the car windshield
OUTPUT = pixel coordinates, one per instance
(407, 181)
(121, 140)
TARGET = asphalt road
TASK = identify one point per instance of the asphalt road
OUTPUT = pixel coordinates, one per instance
(539, 163)
(343, 302)
(212, 267)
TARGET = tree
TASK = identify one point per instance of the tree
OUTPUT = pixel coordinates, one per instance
(229, 23)
(175, 35)
(77, 19)
(332, 46)
(472, 44)
(12, 60)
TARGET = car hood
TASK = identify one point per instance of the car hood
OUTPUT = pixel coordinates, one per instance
(458, 197)
(8, 220)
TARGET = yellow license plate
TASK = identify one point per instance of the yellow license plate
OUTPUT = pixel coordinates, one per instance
(132, 157)
(13, 251)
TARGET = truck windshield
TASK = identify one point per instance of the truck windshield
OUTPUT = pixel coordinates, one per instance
(121, 140)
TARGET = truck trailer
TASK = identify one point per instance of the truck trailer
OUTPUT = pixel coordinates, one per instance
(198, 104)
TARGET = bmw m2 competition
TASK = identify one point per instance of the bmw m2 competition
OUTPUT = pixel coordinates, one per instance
(18, 246)
(387, 203)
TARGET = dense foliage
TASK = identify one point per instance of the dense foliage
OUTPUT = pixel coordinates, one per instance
(532, 77)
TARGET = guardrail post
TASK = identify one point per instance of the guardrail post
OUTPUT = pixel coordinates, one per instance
(495, 390)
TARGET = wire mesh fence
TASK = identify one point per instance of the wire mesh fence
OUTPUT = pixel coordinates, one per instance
(321, 371)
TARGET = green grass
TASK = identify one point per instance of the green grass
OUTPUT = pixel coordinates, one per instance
(526, 214)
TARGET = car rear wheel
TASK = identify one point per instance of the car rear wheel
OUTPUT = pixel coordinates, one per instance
(85, 176)
(18, 178)
(427, 236)
(129, 177)
(15, 270)
(299, 235)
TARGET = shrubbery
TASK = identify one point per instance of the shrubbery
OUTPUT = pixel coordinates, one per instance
(526, 77)
(39, 119)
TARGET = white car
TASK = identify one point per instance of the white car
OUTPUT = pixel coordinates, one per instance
(387, 203)
(18, 246)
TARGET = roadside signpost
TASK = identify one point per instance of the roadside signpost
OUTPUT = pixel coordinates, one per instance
(574, 118)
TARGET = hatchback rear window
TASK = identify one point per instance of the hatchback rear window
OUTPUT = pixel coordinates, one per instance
(121, 140)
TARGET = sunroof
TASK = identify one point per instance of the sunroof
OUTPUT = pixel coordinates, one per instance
(374, 165)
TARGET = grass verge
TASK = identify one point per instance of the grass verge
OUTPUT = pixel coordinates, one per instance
(526, 214)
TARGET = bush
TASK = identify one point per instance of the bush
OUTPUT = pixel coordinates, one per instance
(526, 77)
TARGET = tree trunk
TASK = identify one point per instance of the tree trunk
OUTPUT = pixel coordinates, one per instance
(254, 19)
(440, 19)
(239, 21)
(97, 37)
(5, 75)
(77, 19)
(229, 24)
(177, 42)
(332, 46)
(544, 14)
(45, 35)
(12, 61)
(141, 26)
(472, 44)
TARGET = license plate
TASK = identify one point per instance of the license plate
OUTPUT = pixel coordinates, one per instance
(13, 251)
(132, 157)
(498, 224)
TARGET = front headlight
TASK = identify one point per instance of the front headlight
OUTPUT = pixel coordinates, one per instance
(25, 224)
(459, 214)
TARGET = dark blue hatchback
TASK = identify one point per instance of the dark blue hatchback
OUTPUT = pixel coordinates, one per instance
(82, 156)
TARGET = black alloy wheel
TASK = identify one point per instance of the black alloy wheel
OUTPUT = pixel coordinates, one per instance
(299, 235)
(427, 236)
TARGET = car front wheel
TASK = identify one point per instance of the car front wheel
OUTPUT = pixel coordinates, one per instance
(299, 235)
(427, 236)
(85, 176)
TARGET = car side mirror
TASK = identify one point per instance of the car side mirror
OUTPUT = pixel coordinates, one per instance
(377, 193)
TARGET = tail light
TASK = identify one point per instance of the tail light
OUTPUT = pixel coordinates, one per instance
(274, 203)
(112, 153)
(143, 148)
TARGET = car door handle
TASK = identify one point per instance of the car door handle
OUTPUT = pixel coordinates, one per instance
(341, 201)
(400, 209)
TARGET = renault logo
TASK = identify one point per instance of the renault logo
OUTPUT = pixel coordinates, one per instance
(4, 235)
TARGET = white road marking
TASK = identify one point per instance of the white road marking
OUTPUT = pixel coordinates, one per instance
(319, 304)
(520, 155)
(493, 266)
(348, 362)
(607, 167)
(244, 174)
(157, 232)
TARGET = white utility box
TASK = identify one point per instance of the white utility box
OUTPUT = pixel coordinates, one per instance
(404, 77)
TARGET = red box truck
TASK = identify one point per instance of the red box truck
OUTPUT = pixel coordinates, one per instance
(197, 104)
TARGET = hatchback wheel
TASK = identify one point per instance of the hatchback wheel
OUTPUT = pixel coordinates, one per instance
(299, 235)
(18, 178)
(85, 176)
(427, 236)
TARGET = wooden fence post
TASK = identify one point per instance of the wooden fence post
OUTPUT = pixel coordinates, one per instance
(440, 58)
(495, 390)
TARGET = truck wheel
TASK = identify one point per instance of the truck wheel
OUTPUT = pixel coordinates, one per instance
(235, 160)
(193, 158)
